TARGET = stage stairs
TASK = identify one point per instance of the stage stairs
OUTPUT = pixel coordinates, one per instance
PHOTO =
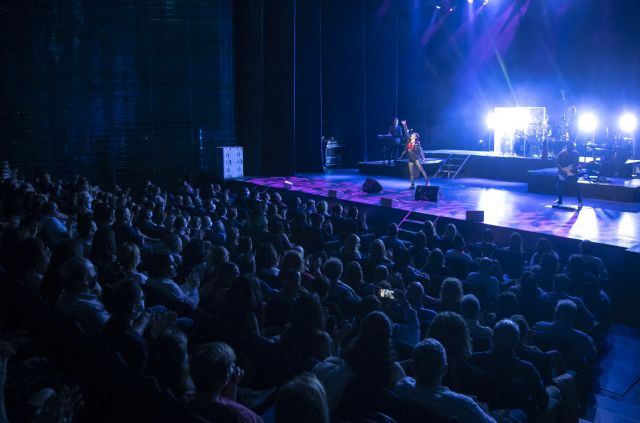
(409, 227)
(452, 166)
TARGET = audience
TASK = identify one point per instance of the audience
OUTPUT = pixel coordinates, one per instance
(99, 291)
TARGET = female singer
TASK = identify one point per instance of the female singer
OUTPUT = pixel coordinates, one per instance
(414, 155)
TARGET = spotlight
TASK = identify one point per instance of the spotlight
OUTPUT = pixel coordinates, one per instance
(491, 120)
(628, 122)
(438, 7)
(588, 122)
(470, 1)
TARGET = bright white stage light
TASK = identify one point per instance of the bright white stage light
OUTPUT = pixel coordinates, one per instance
(491, 120)
(628, 122)
(588, 122)
(470, 1)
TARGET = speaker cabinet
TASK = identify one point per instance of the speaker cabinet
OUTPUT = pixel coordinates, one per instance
(429, 193)
(475, 215)
(371, 186)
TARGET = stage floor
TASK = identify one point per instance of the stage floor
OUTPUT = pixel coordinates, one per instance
(505, 204)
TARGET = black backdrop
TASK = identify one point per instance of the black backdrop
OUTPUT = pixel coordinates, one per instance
(117, 90)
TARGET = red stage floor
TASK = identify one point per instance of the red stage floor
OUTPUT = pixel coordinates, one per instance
(505, 204)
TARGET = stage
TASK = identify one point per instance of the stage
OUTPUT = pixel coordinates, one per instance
(505, 204)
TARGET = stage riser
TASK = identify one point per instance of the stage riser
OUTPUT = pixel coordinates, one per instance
(512, 169)
(545, 183)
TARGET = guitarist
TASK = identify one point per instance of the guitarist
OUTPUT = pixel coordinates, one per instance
(568, 162)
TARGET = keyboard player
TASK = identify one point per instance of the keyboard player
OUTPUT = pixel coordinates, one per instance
(397, 135)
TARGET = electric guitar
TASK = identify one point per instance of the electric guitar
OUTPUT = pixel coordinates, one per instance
(567, 172)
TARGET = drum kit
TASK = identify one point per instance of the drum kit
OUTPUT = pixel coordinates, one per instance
(610, 149)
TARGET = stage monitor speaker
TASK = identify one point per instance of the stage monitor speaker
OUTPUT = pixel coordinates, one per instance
(333, 193)
(387, 202)
(429, 193)
(288, 184)
(371, 186)
(475, 215)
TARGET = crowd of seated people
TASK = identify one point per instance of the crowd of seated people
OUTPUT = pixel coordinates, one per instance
(212, 304)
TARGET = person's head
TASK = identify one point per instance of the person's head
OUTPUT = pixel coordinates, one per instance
(78, 275)
(332, 269)
(487, 236)
(470, 307)
(321, 287)
(451, 293)
(486, 265)
(303, 399)
(162, 264)
(212, 366)
(374, 337)
(395, 121)
(450, 232)
(290, 280)
(415, 294)
(574, 264)
(507, 305)
(123, 215)
(543, 245)
(86, 227)
(173, 242)
(392, 230)
(523, 325)
(436, 259)
(353, 274)
(50, 208)
(245, 294)
(586, 247)
(307, 318)
(378, 250)
(528, 283)
(570, 146)
(352, 243)
(506, 335)
(515, 241)
(381, 273)
(458, 243)
(420, 240)
(561, 284)
(266, 256)
(246, 263)
(451, 330)
(123, 299)
(429, 229)
(226, 274)
(429, 362)
(219, 255)
(129, 256)
(292, 259)
(549, 263)
(565, 312)
(194, 253)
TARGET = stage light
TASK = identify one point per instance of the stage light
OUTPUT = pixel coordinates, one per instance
(588, 122)
(438, 7)
(628, 122)
(470, 1)
(491, 120)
